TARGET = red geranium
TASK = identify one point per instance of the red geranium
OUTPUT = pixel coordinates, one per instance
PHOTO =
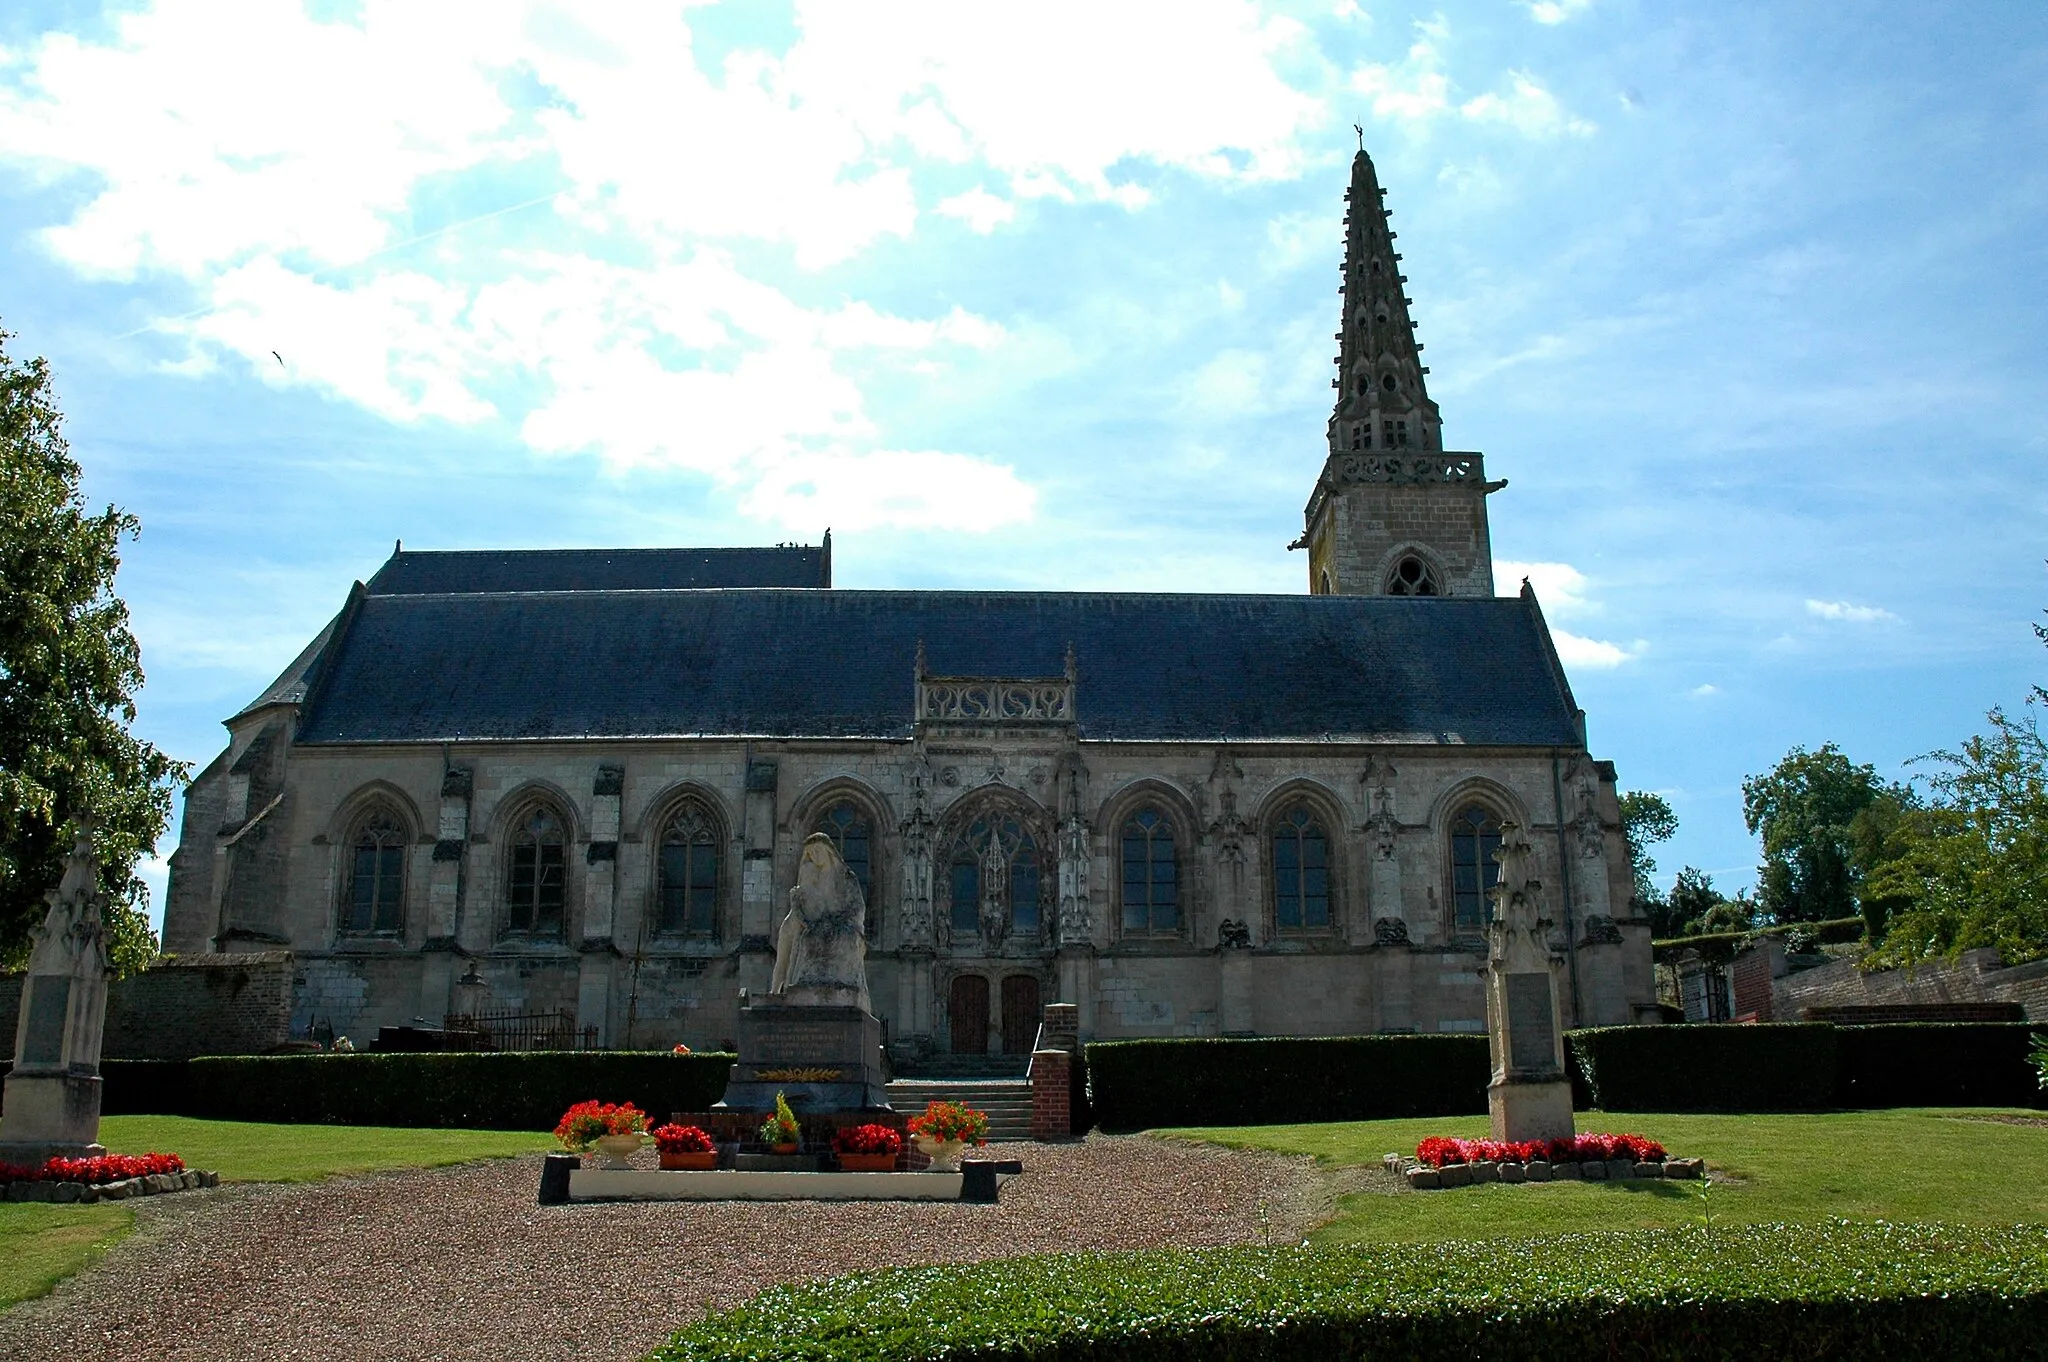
(867, 1139)
(582, 1124)
(675, 1139)
(1438, 1150)
(105, 1168)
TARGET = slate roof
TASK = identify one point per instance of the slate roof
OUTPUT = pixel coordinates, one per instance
(809, 663)
(434, 573)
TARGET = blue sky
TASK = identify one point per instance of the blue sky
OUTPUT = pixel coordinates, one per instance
(1745, 301)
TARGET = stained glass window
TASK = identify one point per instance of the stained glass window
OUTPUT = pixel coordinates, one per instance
(1475, 836)
(376, 882)
(1151, 887)
(1301, 872)
(536, 880)
(688, 890)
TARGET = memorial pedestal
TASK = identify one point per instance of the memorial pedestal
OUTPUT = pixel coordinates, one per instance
(792, 1049)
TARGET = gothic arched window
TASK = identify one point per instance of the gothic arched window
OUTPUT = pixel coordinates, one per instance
(1151, 882)
(994, 866)
(1475, 836)
(848, 828)
(536, 873)
(376, 875)
(687, 877)
(1412, 577)
(1301, 872)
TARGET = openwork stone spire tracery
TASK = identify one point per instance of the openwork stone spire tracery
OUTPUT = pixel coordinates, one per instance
(1382, 399)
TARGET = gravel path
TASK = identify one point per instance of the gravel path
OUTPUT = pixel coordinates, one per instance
(460, 1262)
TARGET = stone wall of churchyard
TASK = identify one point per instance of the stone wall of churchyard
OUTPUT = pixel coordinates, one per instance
(191, 1005)
(1385, 810)
(1979, 976)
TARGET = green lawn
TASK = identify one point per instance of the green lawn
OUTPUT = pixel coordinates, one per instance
(1866, 1165)
(40, 1245)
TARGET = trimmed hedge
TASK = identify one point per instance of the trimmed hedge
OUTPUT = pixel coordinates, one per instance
(1837, 1290)
(1143, 1084)
(1771, 1067)
(527, 1090)
(1937, 1064)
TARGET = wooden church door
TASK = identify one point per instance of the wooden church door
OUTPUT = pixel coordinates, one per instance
(1020, 1014)
(967, 1017)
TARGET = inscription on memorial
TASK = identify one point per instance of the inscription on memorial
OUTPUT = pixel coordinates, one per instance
(50, 1000)
(1531, 1044)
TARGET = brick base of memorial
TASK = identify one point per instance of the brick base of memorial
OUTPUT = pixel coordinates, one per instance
(1424, 1178)
(153, 1184)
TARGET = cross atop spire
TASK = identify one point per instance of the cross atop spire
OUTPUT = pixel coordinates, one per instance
(1382, 401)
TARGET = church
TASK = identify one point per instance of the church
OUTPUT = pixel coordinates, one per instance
(577, 783)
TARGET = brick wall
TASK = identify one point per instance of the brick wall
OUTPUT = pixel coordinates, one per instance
(191, 1005)
(1052, 1078)
(1977, 977)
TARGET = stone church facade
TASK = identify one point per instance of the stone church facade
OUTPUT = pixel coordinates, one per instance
(579, 781)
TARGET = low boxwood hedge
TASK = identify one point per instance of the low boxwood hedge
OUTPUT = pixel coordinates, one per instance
(1937, 1064)
(1838, 1290)
(1142, 1084)
(475, 1091)
(1772, 1067)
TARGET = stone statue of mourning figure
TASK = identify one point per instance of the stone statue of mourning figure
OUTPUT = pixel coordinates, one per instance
(821, 949)
(812, 1039)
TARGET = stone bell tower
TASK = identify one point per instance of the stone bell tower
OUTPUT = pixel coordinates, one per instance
(1392, 513)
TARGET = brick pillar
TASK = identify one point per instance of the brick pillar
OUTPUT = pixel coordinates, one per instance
(1051, 1079)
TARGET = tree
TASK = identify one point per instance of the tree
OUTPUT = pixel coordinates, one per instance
(1802, 809)
(69, 669)
(1646, 819)
(1971, 867)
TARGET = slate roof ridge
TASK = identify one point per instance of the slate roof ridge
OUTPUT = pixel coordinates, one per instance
(957, 593)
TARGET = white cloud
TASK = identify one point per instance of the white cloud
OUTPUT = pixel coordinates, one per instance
(1704, 689)
(1416, 91)
(982, 211)
(274, 162)
(1231, 384)
(1559, 586)
(1843, 610)
(1557, 11)
(1575, 651)
(1526, 107)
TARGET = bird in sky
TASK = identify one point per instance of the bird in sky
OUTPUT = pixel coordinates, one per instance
(279, 358)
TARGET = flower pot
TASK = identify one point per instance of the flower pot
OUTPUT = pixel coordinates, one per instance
(867, 1163)
(944, 1154)
(694, 1160)
(788, 1147)
(618, 1148)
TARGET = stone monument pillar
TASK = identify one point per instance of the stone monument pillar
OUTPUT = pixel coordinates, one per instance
(53, 1092)
(813, 1037)
(1530, 1097)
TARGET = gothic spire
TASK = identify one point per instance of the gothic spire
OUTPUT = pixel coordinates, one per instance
(1382, 402)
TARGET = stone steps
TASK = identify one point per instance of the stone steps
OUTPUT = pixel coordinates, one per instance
(1007, 1102)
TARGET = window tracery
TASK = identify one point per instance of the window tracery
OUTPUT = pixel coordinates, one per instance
(687, 892)
(537, 873)
(375, 900)
(1475, 836)
(1151, 880)
(1412, 577)
(994, 880)
(1301, 872)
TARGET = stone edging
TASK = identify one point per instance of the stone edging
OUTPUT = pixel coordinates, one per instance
(1422, 1177)
(150, 1184)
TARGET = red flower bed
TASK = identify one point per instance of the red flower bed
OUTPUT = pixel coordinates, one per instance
(868, 1139)
(105, 1168)
(582, 1124)
(1438, 1150)
(675, 1139)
